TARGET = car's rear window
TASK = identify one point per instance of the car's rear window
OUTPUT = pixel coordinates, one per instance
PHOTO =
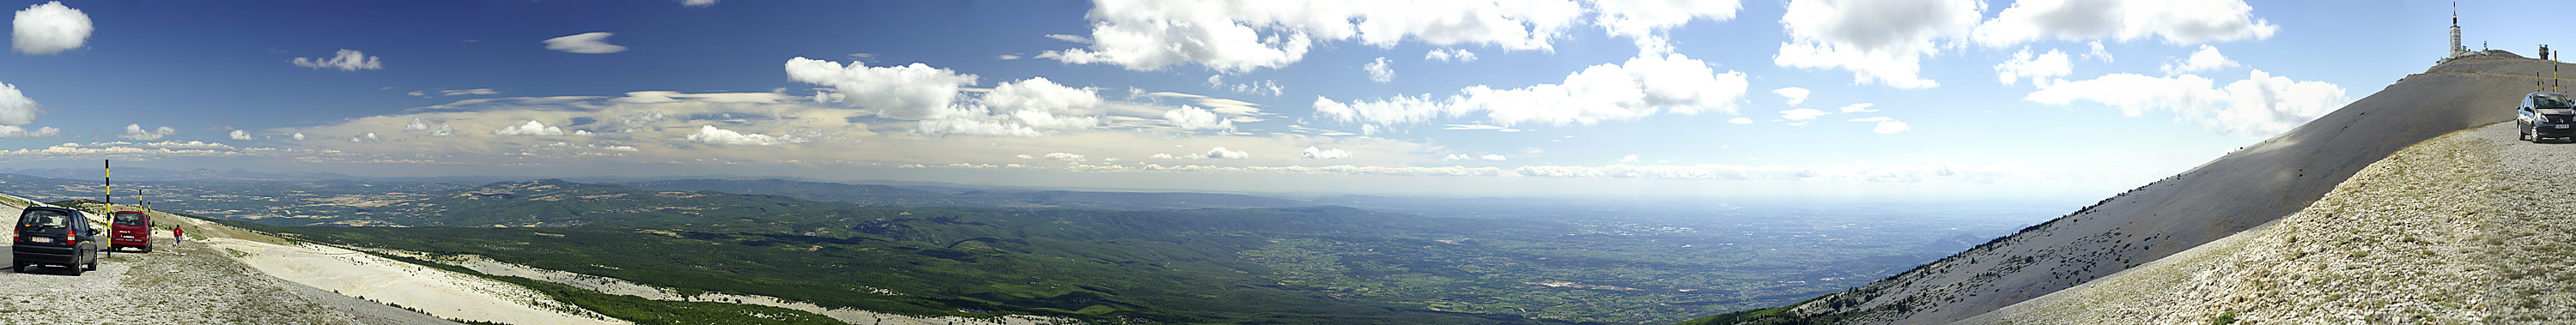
(44, 219)
(2551, 101)
(130, 219)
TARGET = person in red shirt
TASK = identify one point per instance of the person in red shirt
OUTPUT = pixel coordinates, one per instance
(178, 235)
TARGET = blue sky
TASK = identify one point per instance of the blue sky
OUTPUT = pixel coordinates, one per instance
(1558, 97)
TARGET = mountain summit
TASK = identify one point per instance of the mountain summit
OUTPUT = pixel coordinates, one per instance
(2467, 228)
(2236, 192)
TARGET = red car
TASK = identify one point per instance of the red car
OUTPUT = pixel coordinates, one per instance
(132, 229)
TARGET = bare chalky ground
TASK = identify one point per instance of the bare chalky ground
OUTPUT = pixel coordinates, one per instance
(2471, 227)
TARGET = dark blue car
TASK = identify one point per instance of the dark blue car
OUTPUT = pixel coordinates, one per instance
(54, 236)
(2545, 115)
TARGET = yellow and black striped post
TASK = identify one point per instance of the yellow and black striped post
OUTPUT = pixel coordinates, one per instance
(107, 175)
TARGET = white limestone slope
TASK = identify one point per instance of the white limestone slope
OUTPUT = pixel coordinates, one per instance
(2471, 227)
(623, 287)
(437, 292)
(2234, 193)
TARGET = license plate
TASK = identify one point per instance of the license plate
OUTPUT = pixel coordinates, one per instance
(2562, 126)
(44, 239)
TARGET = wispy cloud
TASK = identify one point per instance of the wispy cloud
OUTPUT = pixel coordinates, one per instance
(345, 60)
(587, 43)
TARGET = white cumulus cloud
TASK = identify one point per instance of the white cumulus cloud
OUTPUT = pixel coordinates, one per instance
(2098, 52)
(1879, 41)
(1221, 153)
(346, 60)
(1037, 93)
(910, 92)
(241, 135)
(1890, 126)
(29, 132)
(2174, 21)
(2205, 59)
(16, 108)
(48, 28)
(137, 132)
(1646, 22)
(2042, 69)
(1321, 153)
(1446, 55)
(1192, 118)
(2262, 105)
(1379, 72)
(711, 135)
(585, 43)
(979, 127)
(1239, 36)
(1642, 86)
(1796, 95)
(1027, 108)
(639, 121)
(531, 128)
(1064, 157)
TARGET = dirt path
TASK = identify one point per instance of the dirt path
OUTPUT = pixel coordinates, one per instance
(2533, 239)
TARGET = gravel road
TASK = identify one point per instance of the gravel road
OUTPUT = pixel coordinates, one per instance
(177, 284)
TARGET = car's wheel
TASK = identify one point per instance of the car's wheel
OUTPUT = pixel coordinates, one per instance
(19, 267)
(147, 249)
(2523, 134)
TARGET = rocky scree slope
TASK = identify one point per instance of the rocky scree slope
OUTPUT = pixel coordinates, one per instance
(2236, 192)
(2474, 227)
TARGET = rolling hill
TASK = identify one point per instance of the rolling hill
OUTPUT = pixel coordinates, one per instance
(886, 195)
(1098, 265)
(1320, 265)
(2236, 192)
